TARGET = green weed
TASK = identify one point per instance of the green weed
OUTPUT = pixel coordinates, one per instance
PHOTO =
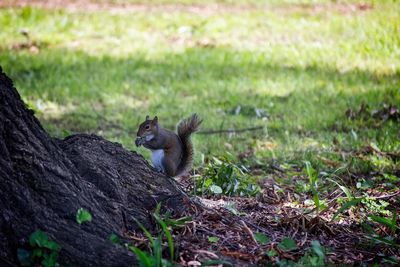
(83, 215)
(154, 258)
(221, 176)
(41, 250)
(315, 256)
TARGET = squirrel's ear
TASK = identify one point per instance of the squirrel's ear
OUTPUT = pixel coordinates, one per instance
(147, 117)
(155, 120)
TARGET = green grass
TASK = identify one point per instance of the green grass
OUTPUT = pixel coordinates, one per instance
(304, 64)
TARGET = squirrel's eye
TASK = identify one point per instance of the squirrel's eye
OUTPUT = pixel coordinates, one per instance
(147, 127)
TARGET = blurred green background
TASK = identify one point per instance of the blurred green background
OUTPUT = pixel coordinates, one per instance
(293, 67)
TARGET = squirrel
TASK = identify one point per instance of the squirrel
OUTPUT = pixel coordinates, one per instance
(172, 153)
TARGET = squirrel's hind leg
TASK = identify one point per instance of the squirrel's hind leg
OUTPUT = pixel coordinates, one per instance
(170, 167)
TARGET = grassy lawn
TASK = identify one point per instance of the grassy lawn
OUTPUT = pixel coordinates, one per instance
(316, 75)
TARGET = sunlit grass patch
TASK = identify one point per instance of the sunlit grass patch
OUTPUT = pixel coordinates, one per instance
(301, 63)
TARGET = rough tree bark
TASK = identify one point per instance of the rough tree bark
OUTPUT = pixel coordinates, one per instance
(44, 181)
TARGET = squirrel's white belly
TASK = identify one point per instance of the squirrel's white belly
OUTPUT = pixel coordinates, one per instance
(157, 157)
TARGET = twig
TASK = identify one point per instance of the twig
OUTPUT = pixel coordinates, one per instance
(212, 131)
(259, 228)
(247, 229)
(208, 253)
(387, 196)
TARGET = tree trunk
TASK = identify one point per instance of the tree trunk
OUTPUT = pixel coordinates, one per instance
(44, 181)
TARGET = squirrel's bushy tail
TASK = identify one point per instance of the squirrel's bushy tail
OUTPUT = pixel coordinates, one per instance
(185, 128)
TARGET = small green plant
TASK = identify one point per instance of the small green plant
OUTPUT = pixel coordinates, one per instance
(42, 250)
(370, 205)
(154, 258)
(271, 253)
(315, 257)
(388, 222)
(373, 210)
(313, 185)
(170, 222)
(261, 238)
(213, 239)
(347, 205)
(389, 239)
(115, 239)
(345, 189)
(391, 178)
(83, 215)
(375, 206)
(287, 244)
(221, 176)
(166, 230)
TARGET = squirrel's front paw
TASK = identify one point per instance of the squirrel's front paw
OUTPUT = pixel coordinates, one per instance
(139, 141)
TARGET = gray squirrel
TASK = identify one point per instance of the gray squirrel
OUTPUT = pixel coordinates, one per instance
(172, 153)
